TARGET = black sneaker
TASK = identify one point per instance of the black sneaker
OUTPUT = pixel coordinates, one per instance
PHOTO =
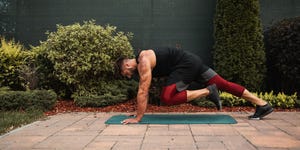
(214, 96)
(261, 111)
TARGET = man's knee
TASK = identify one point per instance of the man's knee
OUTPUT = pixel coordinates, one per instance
(166, 99)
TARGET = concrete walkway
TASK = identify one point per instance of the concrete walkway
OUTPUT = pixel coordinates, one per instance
(87, 131)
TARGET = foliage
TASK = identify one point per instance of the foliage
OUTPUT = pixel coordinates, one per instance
(113, 92)
(12, 56)
(81, 58)
(44, 70)
(239, 49)
(27, 100)
(283, 55)
(280, 100)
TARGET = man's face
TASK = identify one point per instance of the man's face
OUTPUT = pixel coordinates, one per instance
(127, 70)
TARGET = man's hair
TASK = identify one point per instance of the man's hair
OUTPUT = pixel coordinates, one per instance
(118, 66)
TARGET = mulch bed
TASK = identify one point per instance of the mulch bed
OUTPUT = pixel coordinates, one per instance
(64, 106)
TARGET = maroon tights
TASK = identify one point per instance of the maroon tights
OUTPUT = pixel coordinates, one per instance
(171, 96)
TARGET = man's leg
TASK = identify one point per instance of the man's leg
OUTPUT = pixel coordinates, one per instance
(210, 91)
(171, 96)
(262, 109)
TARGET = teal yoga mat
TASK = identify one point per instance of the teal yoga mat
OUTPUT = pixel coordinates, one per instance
(177, 119)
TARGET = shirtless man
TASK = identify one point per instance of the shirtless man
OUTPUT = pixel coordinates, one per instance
(181, 68)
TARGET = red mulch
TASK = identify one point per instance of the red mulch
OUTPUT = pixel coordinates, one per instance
(64, 106)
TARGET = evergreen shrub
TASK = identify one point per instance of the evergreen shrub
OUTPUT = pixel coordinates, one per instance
(283, 55)
(239, 54)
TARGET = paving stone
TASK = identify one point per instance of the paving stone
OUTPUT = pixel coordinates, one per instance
(125, 130)
(65, 142)
(19, 142)
(169, 142)
(87, 131)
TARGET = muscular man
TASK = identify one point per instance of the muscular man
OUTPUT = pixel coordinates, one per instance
(182, 68)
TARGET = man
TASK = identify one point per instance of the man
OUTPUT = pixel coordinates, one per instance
(182, 68)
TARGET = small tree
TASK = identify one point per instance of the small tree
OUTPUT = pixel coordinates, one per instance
(239, 50)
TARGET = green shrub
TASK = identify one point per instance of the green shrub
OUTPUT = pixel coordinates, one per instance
(280, 100)
(45, 73)
(27, 100)
(283, 55)
(239, 49)
(116, 92)
(82, 57)
(12, 58)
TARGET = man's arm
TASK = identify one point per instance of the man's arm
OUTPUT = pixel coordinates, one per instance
(144, 85)
(144, 69)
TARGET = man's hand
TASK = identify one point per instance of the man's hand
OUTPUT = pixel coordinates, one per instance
(130, 121)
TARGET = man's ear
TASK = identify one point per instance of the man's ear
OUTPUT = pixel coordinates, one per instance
(126, 64)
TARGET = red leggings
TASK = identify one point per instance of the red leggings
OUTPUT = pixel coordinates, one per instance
(171, 96)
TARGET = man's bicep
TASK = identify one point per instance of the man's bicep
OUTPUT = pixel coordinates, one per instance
(145, 76)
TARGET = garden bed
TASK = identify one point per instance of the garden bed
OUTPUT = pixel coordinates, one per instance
(65, 106)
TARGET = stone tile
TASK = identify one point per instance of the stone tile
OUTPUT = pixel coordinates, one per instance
(100, 145)
(169, 130)
(202, 129)
(211, 145)
(276, 139)
(223, 142)
(168, 142)
(65, 142)
(125, 130)
(120, 142)
(20, 142)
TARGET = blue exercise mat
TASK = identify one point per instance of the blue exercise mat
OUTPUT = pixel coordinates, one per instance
(177, 119)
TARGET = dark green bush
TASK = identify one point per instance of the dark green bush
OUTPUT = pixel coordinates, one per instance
(239, 49)
(113, 92)
(283, 55)
(27, 100)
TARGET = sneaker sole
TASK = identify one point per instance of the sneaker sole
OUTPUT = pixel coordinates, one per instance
(263, 115)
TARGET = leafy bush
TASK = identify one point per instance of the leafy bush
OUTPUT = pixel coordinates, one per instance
(283, 55)
(12, 58)
(280, 100)
(45, 72)
(116, 92)
(239, 49)
(27, 100)
(82, 57)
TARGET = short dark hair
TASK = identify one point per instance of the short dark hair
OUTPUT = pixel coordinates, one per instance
(118, 66)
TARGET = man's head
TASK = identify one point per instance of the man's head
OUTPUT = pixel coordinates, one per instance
(125, 67)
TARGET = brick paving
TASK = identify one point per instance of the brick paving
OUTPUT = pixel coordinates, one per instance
(87, 131)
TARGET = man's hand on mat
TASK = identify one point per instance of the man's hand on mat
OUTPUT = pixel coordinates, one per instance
(130, 121)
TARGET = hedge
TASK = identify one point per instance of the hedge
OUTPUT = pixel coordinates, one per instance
(27, 100)
(239, 54)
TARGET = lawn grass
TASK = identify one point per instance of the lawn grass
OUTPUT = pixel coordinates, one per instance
(10, 120)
